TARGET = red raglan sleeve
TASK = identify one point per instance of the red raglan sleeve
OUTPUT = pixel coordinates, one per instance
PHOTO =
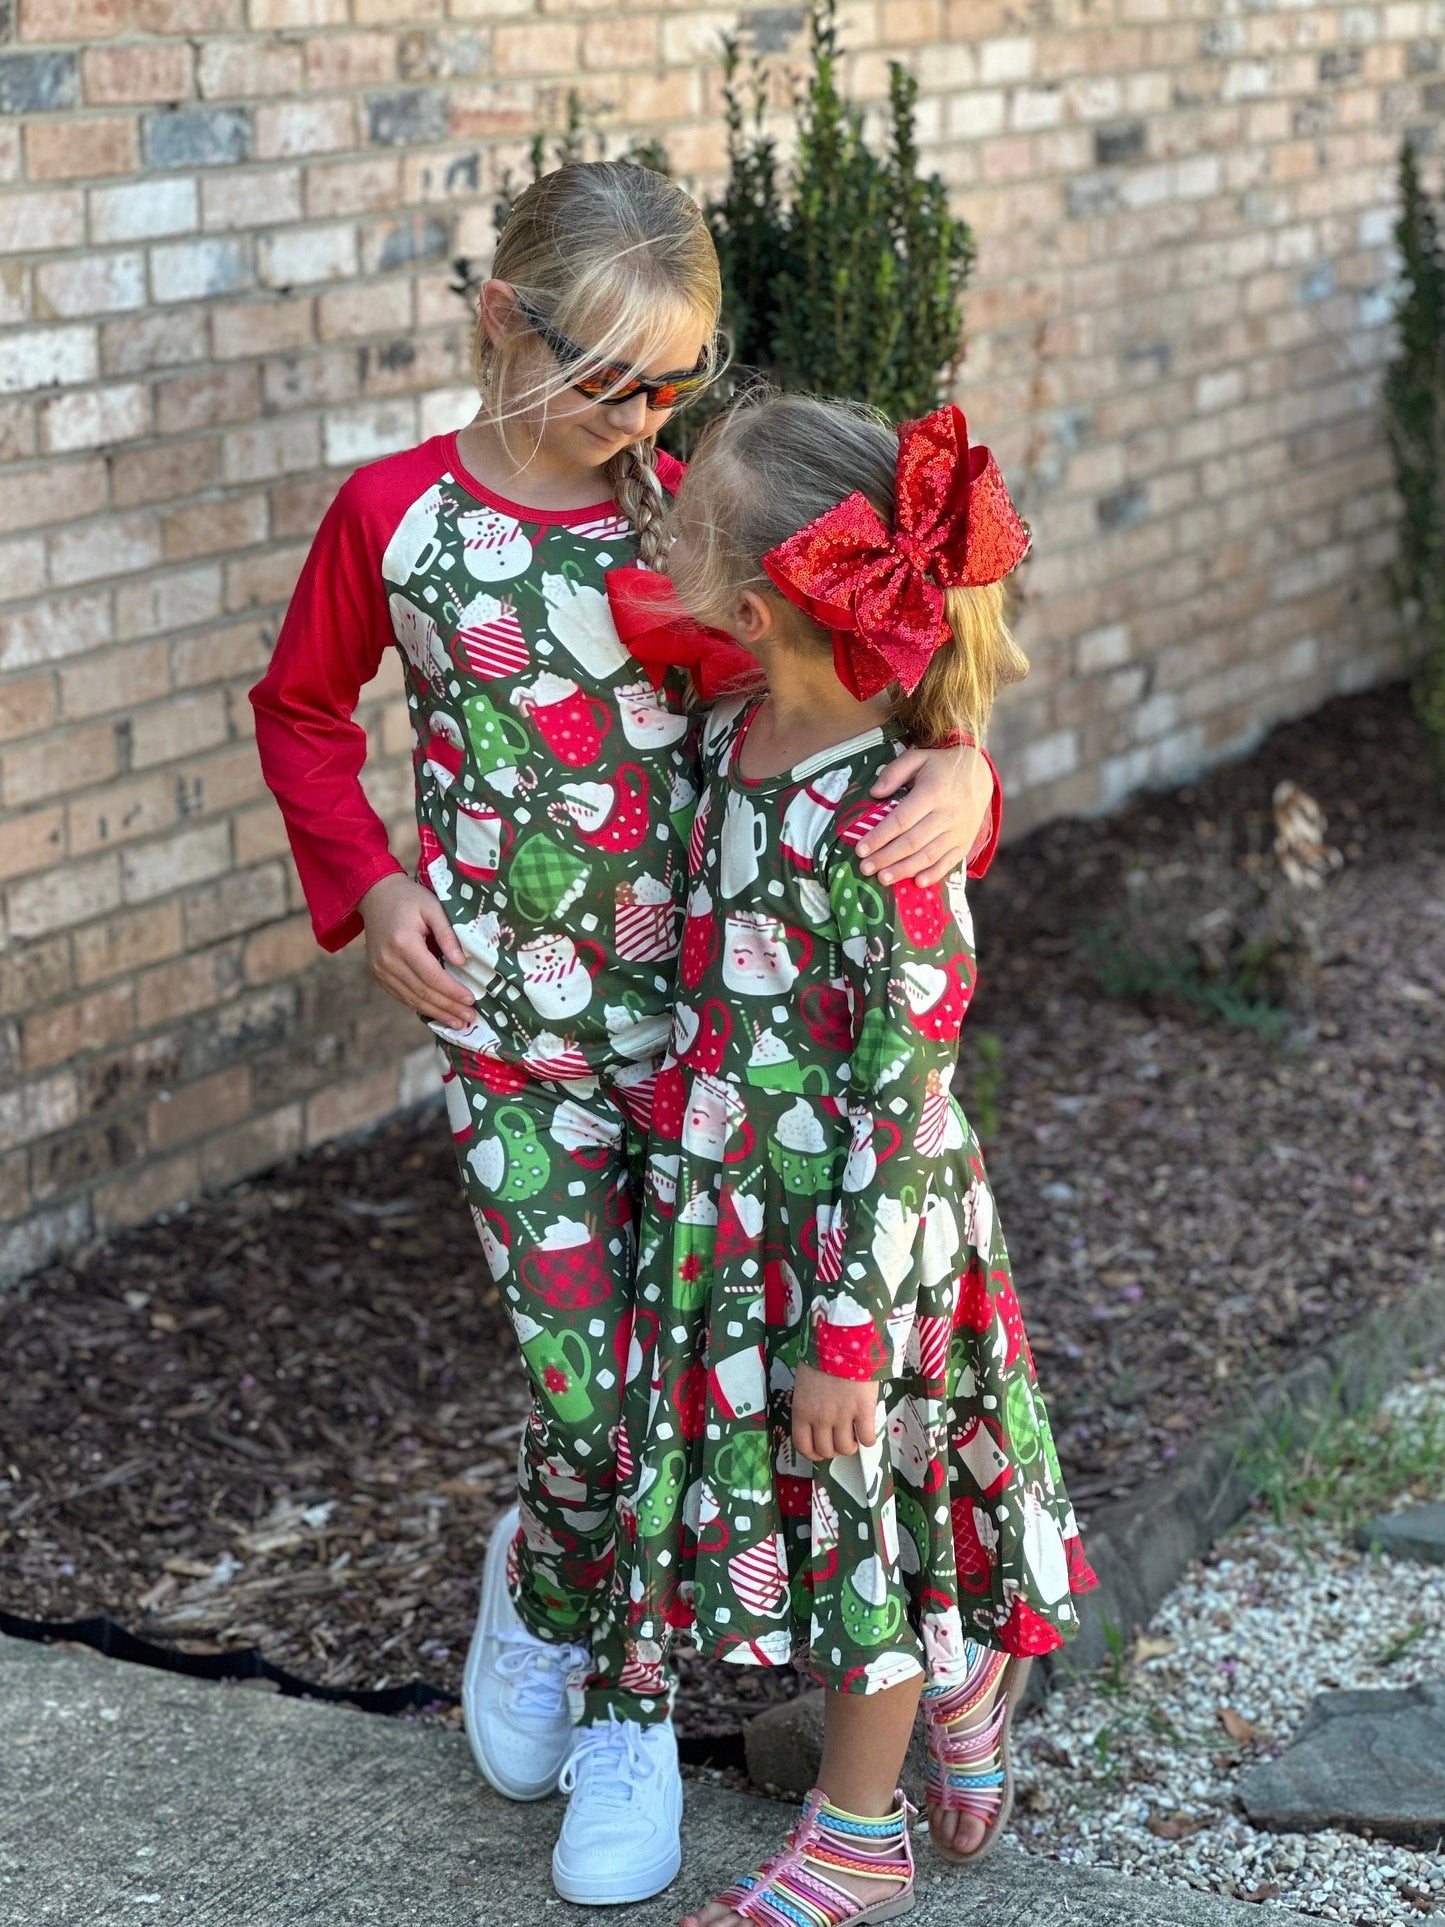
(986, 842)
(336, 632)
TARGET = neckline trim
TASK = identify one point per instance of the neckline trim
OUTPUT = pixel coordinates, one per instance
(520, 511)
(821, 759)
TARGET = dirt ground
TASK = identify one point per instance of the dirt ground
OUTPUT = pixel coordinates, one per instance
(287, 1416)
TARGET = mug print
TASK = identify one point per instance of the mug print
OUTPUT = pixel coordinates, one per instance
(556, 977)
(488, 640)
(744, 838)
(420, 643)
(757, 961)
(647, 722)
(579, 616)
(570, 723)
(482, 839)
(494, 547)
(414, 548)
(567, 1267)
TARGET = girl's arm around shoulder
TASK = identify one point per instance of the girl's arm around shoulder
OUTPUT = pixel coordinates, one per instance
(953, 812)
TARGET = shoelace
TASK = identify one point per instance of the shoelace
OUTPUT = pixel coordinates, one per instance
(537, 1673)
(612, 1752)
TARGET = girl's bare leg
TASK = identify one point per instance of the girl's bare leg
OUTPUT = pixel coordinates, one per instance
(865, 1736)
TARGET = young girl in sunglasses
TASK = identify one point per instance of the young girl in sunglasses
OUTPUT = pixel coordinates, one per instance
(844, 1459)
(555, 784)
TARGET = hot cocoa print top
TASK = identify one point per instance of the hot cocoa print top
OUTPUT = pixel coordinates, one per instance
(554, 784)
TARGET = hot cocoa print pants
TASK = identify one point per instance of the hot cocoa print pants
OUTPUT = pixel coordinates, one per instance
(553, 1173)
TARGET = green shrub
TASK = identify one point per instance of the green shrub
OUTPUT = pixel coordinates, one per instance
(849, 279)
(1415, 413)
(843, 273)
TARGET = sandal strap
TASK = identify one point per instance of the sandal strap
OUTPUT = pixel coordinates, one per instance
(965, 1771)
(791, 1889)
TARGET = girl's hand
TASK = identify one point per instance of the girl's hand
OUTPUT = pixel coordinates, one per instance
(832, 1417)
(934, 829)
(403, 922)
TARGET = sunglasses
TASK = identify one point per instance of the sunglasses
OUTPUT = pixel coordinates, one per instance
(612, 383)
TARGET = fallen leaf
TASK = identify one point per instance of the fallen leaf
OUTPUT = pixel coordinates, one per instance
(1266, 1890)
(1417, 1897)
(1175, 1826)
(1153, 1646)
(1237, 1726)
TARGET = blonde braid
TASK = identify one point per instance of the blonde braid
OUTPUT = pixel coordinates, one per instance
(638, 492)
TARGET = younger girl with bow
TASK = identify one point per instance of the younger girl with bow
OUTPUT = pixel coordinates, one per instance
(845, 1460)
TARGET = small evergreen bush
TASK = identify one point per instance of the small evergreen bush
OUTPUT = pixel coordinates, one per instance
(1415, 409)
(843, 274)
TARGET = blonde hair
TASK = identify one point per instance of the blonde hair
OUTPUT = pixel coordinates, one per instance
(771, 466)
(616, 257)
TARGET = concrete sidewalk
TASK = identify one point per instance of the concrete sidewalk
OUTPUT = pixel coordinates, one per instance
(132, 1796)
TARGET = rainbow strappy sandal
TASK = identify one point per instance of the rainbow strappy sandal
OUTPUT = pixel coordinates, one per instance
(969, 1769)
(792, 1889)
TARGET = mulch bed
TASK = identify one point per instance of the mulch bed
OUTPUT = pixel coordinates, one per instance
(287, 1417)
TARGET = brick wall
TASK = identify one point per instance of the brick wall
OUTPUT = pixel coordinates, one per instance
(224, 235)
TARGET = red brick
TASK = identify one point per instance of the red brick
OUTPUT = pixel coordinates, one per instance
(240, 69)
(72, 150)
(89, 1023)
(121, 76)
(200, 1107)
(280, 950)
(160, 474)
(127, 940)
(201, 401)
(143, 1193)
(263, 579)
(275, 324)
(297, 507)
(33, 973)
(547, 47)
(34, 840)
(189, 984)
(214, 528)
(117, 679)
(254, 1146)
(189, 16)
(345, 60)
(26, 707)
(372, 308)
(30, 772)
(71, 19)
(624, 41)
(121, 812)
(350, 1107)
(353, 187)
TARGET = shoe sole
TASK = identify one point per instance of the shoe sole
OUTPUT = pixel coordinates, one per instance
(494, 1582)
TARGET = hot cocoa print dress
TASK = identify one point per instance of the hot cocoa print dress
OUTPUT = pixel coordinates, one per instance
(814, 1193)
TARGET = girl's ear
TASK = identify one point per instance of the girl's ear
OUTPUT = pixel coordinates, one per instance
(498, 308)
(754, 618)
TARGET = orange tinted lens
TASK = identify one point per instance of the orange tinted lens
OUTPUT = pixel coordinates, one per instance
(609, 382)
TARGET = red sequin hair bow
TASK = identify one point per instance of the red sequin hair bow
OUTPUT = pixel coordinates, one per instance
(881, 591)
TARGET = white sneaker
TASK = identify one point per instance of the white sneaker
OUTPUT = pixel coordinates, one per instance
(621, 1836)
(514, 1689)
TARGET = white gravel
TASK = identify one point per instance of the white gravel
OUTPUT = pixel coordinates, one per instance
(1274, 1616)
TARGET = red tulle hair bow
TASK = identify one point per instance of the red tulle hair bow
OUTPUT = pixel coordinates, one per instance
(653, 626)
(881, 591)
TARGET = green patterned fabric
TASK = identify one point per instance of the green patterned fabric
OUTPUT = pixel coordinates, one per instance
(814, 1194)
